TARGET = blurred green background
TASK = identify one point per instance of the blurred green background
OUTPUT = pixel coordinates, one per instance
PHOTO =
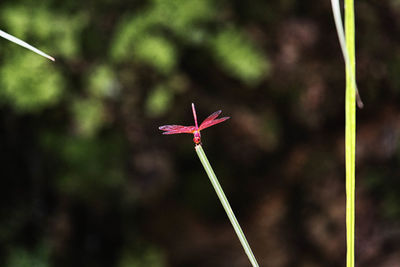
(87, 179)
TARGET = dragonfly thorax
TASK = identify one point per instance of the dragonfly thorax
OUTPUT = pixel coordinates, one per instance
(197, 137)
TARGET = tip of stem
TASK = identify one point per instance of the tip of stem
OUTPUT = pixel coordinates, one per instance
(360, 104)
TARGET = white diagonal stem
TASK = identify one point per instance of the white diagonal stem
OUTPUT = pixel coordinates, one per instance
(24, 44)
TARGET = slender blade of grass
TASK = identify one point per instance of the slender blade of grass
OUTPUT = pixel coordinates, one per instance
(24, 44)
(347, 44)
(225, 204)
(350, 131)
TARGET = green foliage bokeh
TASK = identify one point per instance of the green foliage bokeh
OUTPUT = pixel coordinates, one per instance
(78, 96)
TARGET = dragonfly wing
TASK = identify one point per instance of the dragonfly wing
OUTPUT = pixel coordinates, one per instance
(175, 132)
(211, 117)
(207, 124)
(176, 129)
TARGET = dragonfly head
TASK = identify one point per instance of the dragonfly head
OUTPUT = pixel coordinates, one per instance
(197, 137)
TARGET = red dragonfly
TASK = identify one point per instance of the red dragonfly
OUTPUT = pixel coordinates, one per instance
(195, 130)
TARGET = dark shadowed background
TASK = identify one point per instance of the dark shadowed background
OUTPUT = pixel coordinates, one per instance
(87, 179)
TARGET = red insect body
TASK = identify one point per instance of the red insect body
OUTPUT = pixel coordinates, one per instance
(195, 130)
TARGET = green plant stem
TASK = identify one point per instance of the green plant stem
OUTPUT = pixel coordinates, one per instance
(225, 204)
(350, 130)
(24, 44)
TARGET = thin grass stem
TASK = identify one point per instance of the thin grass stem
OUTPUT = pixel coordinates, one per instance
(225, 204)
(342, 41)
(347, 43)
(350, 130)
(24, 44)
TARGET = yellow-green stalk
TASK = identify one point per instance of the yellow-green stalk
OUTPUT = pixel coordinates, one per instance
(350, 130)
(347, 44)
